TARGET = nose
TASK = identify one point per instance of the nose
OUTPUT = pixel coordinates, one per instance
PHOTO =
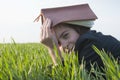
(64, 44)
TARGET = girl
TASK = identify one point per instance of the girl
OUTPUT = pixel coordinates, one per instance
(69, 37)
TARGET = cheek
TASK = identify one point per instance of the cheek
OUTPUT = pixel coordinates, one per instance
(73, 39)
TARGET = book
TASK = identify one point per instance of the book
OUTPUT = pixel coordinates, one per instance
(75, 14)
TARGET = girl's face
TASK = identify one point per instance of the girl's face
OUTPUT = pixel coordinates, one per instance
(67, 37)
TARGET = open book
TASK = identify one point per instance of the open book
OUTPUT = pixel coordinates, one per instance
(75, 14)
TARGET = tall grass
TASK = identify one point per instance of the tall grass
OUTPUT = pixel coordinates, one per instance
(32, 62)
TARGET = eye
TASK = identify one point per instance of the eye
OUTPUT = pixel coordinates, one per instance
(66, 36)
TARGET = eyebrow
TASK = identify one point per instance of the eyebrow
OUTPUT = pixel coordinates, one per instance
(62, 34)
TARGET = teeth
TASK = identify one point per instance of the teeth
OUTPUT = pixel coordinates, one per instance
(69, 49)
(66, 50)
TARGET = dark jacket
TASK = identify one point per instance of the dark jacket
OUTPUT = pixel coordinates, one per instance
(84, 47)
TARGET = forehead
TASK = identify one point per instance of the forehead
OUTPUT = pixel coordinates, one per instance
(62, 28)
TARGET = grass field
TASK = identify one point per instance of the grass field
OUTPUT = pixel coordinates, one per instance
(32, 62)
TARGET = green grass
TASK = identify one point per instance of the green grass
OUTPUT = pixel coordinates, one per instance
(32, 62)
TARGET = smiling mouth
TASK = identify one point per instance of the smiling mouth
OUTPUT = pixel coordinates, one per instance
(69, 50)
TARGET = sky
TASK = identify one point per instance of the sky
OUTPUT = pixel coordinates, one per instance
(17, 16)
